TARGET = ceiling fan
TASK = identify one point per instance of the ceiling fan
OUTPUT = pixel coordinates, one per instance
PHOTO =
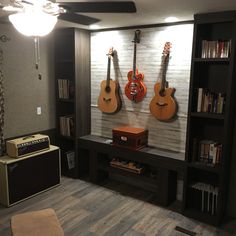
(68, 11)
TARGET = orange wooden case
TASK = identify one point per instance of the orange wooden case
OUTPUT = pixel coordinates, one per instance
(130, 137)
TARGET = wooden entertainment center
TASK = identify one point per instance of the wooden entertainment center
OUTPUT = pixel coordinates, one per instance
(161, 171)
(205, 179)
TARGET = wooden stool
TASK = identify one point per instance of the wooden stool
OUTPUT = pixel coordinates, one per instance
(36, 223)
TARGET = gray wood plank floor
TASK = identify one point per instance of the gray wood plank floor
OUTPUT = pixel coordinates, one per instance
(111, 209)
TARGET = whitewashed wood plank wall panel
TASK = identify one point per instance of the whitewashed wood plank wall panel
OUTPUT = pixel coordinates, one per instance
(167, 135)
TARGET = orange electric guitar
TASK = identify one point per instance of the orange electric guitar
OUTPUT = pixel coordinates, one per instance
(163, 105)
(109, 99)
(135, 90)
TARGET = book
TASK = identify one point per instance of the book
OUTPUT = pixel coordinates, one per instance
(199, 99)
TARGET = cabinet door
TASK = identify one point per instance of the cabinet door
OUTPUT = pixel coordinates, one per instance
(32, 175)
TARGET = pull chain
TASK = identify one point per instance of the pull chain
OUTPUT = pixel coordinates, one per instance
(37, 56)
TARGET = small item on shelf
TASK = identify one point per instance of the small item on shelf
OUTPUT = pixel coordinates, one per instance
(211, 102)
(130, 137)
(209, 152)
(209, 196)
(67, 125)
(66, 89)
(70, 157)
(127, 165)
(216, 49)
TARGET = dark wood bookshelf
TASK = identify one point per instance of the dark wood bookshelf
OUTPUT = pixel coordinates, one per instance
(72, 64)
(218, 76)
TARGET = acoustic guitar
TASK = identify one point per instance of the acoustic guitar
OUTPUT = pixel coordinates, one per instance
(109, 99)
(135, 90)
(163, 105)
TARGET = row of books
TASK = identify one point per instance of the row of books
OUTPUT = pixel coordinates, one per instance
(67, 125)
(207, 152)
(208, 101)
(66, 89)
(207, 196)
(215, 49)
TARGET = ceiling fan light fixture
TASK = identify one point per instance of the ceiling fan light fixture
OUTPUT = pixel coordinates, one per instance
(171, 19)
(35, 23)
(94, 27)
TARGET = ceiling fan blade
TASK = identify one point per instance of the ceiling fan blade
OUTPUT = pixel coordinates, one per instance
(77, 18)
(101, 7)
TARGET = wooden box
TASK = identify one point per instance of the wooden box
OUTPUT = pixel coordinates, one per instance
(130, 137)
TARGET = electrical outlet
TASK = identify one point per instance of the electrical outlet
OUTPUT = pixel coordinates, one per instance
(39, 111)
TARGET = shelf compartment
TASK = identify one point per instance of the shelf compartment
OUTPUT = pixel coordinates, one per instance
(210, 129)
(206, 167)
(130, 166)
(141, 181)
(196, 174)
(213, 76)
(213, 32)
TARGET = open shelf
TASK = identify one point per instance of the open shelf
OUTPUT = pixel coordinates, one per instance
(206, 167)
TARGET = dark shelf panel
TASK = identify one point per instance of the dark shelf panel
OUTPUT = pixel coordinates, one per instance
(61, 61)
(207, 115)
(65, 100)
(202, 166)
(202, 216)
(72, 138)
(210, 60)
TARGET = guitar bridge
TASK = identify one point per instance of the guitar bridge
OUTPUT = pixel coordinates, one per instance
(106, 99)
(161, 104)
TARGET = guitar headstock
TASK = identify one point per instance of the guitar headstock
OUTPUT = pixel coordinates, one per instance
(110, 52)
(137, 36)
(166, 50)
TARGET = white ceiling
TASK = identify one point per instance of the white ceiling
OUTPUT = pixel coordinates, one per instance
(155, 11)
(151, 12)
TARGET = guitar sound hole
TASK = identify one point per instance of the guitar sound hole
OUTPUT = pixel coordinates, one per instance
(108, 89)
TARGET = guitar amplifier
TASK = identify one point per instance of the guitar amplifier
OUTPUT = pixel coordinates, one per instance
(130, 137)
(27, 145)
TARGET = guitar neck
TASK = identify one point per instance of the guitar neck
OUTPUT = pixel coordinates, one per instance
(108, 71)
(165, 61)
(134, 61)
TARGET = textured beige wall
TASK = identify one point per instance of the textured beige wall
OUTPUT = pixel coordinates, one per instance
(23, 90)
(166, 135)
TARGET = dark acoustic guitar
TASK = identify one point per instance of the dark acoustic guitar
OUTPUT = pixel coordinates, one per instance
(163, 105)
(109, 99)
(135, 90)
